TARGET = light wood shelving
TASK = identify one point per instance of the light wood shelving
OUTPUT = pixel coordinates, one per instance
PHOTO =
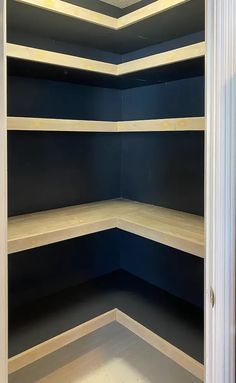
(63, 60)
(163, 125)
(176, 229)
(59, 59)
(80, 13)
(61, 125)
(104, 304)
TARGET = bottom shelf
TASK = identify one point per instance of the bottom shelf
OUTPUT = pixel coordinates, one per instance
(139, 306)
(110, 354)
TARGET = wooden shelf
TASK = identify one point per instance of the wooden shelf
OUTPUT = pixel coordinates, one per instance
(80, 13)
(59, 59)
(124, 356)
(161, 125)
(172, 228)
(50, 124)
(159, 21)
(186, 53)
(96, 303)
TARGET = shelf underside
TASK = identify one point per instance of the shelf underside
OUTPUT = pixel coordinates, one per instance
(63, 125)
(125, 358)
(184, 18)
(171, 65)
(178, 71)
(177, 322)
(179, 230)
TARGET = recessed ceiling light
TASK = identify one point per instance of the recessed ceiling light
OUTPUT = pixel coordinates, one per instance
(121, 3)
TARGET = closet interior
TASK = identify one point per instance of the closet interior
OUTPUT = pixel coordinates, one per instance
(106, 191)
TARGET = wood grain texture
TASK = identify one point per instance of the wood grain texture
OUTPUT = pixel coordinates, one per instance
(172, 352)
(35, 353)
(172, 228)
(165, 58)
(61, 125)
(3, 201)
(48, 348)
(80, 13)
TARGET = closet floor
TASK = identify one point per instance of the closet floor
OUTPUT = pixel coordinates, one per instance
(112, 354)
(176, 321)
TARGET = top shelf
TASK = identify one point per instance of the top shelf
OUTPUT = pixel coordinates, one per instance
(157, 22)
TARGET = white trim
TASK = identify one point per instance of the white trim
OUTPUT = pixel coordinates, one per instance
(220, 191)
(3, 200)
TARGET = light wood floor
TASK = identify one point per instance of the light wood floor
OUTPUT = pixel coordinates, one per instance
(110, 355)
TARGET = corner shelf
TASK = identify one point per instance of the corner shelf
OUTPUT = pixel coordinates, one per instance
(176, 229)
(124, 356)
(60, 125)
(139, 72)
(157, 21)
(118, 296)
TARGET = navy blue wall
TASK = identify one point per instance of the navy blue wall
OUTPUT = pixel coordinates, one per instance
(29, 97)
(48, 170)
(47, 269)
(182, 98)
(172, 270)
(164, 168)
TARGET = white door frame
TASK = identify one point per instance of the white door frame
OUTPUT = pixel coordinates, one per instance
(3, 200)
(220, 191)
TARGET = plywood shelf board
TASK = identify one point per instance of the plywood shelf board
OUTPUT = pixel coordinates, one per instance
(80, 13)
(36, 353)
(59, 59)
(125, 358)
(61, 125)
(172, 228)
(161, 21)
(95, 303)
(63, 60)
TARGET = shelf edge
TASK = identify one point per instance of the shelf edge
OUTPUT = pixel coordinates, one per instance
(185, 53)
(166, 348)
(65, 125)
(100, 19)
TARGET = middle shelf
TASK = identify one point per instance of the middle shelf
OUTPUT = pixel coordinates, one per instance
(185, 61)
(65, 125)
(173, 228)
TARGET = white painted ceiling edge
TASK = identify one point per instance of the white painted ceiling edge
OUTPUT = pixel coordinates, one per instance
(121, 3)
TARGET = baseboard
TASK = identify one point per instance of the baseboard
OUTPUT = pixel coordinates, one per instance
(35, 353)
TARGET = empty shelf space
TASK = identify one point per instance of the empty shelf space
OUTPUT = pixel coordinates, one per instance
(159, 21)
(186, 62)
(166, 322)
(176, 229)
(60, 125)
